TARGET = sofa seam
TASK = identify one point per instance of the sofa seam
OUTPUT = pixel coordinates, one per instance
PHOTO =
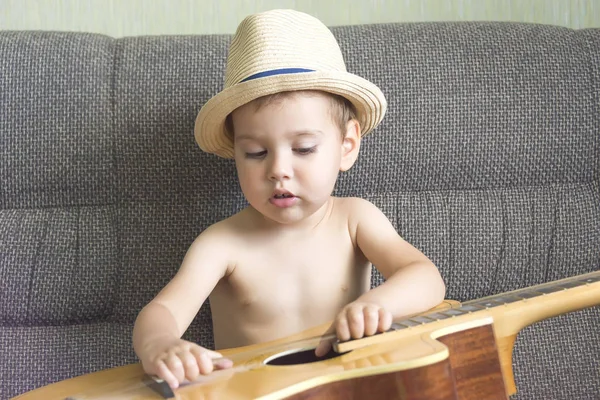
(116, 128)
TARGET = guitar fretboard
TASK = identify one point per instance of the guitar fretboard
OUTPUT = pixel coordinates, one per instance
(498, 300)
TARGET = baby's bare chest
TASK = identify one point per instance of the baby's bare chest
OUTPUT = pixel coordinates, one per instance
(321, 273)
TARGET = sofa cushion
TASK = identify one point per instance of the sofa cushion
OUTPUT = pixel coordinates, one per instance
(57, 125)
(62, 264)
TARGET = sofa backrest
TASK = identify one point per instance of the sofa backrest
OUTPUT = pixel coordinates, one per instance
(487, 160)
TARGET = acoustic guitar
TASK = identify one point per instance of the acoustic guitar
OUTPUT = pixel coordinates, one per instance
(454, 351)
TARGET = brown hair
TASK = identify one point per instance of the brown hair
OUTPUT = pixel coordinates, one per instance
(341, 109)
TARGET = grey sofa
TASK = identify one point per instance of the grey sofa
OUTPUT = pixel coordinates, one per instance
(487, 160)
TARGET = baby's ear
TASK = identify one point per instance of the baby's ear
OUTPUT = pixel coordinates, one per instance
(350, 145)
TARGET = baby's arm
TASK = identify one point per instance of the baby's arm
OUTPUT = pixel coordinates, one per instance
(412, 284)
(160, 325)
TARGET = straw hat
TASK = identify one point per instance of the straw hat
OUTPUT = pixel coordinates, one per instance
(283, 50)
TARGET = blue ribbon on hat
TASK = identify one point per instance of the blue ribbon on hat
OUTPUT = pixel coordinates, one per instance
(280, 71)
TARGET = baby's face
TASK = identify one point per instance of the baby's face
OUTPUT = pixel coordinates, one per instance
(287, 155)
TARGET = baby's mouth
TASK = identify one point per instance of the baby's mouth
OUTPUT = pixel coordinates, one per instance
(283, 199)
(283, 196)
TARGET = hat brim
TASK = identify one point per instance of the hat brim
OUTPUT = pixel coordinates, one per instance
(209, 129)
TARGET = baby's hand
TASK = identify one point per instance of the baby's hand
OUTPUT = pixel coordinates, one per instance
(356, 320)
(178, 360)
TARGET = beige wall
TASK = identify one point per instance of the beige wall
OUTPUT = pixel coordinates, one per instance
(149, 17)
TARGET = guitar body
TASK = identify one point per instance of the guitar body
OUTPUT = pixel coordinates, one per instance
(459, 365)
(471, 372)
(452, 352)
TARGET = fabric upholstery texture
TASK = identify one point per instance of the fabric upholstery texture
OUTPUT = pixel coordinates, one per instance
(487, 160)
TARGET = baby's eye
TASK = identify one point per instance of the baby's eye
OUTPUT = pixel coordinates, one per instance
(306, 150)
(258, 154)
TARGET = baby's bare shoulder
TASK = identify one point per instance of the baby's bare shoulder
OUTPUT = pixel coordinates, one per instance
(352, 207)
(227, 230)
(222, 241)
(356, 211)
(352, 202)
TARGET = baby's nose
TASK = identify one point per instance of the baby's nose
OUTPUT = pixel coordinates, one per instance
(280, 168)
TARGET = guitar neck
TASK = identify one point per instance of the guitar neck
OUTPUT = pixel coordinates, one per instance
(513, 311)
(519, 308)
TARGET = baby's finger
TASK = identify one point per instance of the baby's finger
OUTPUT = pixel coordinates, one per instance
(326, 342)
(356, 323)
(222, 363)
(190, 365)
(371, 320)
(341, 328)
(174, 364)
(165, 373)
(323, 347)
(218, 361)
(205, 364)
(385, 320)
(212, 353)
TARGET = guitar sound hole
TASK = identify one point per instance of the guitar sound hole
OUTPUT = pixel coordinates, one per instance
(300, 357)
